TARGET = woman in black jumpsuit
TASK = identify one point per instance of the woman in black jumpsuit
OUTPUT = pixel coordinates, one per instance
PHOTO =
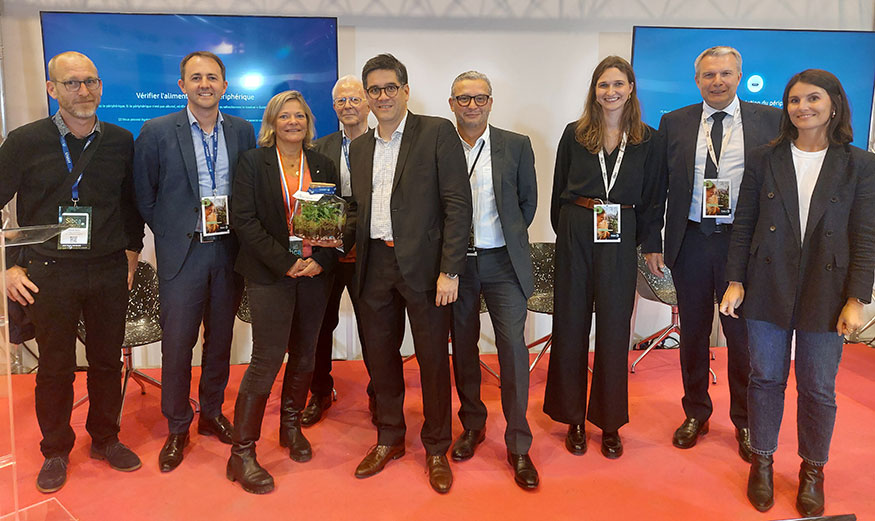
(600, 275)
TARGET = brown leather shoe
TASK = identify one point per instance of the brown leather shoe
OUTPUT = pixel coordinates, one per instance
(688, 433)
(743, 437)
(377, 458)
(464, 447)
(440, 477)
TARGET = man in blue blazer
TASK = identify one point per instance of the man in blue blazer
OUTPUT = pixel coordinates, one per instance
(709, 140)
(183, 171)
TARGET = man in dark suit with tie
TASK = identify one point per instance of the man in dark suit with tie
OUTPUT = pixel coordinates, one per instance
(183, 166)
(501, 171)
(707, 143)
(409, 220)
(348, 98)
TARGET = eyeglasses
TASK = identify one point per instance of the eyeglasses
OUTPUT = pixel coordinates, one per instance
(73, 85)
(391, 91)
(353, 100)
(479, 100)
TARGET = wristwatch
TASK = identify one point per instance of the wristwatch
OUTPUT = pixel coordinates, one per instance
(452, 276)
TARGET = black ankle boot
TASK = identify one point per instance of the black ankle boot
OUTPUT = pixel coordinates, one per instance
(760, 483)
(294, 399)
(242, 466)
(809, 499)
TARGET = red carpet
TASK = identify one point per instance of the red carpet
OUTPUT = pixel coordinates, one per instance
(652, 481)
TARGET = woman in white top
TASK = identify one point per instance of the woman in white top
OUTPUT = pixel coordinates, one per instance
(801, 259)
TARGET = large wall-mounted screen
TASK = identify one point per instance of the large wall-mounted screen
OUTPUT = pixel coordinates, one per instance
(138, 55)
(663, 61)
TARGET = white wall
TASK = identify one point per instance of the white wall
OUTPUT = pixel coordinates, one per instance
(539, 55)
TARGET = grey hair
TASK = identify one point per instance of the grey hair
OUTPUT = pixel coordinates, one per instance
(349, 78)
(720, 50)
(471, 75)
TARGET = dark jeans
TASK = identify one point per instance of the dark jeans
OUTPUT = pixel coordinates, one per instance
(384, 298)
(96, 288)
(699, 278)
(286, 316)
(206, 290)
(817, 362)
(492, 273)
(322, 383)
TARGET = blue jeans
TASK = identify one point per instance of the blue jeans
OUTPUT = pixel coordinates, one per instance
(817, 362)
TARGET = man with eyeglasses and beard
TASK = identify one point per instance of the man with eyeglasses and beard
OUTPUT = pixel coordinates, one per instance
(348, 99)
(409, 220)
(72, 168)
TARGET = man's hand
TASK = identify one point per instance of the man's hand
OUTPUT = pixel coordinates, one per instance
(299, 265)
(851, 317)
(133, 260)
(310, 268)
(19, 286)
(655, 262)
(447, 290)
(732, 299)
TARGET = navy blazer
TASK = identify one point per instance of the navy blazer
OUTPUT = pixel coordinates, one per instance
(166, 181)
(679, 132)
(258, 215)
(803, 283)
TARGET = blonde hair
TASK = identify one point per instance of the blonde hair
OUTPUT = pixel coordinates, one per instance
(267, 134)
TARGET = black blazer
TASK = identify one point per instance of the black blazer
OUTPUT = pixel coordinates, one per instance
(258, 214)
(679, 131)
(804, 284)
(516, 197)
(430, 204)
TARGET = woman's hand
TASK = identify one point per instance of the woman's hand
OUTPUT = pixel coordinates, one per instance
(732, 299)
(851, 317)
(309, 268)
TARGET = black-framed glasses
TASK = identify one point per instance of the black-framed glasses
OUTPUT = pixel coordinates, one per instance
(391, 91)
(91, 84)
(479, 100)
(355, 101)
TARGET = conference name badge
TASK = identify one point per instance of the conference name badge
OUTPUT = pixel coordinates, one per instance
(77, 234)
(716, 201)
(606, 222)
(296, 245)
(215, 215)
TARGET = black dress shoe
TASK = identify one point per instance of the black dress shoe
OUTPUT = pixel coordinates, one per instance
(688, 433)
(171, 453)
(440, 476)
(575, 440)
(315, 408)
(809, 499)
(524, 472)
(467, 442)
(743, 437)
(52, 475)
(219, 427)
(377, 458)
(760, 483)
(612, 445)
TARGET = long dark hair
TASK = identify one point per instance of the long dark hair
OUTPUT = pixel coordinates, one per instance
(839, 131)
(590, 130)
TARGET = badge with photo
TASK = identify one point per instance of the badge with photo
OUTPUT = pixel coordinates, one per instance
(215, 216)
(716, 201)
(606, 222)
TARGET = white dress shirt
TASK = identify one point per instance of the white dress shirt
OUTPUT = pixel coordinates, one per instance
(487, 226)
(385, 159)
(807, 166)
(731, 158)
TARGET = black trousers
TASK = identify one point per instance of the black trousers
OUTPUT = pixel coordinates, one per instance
(97, 289)
(491, 273)
(286, 317)
(699, 278)
(384, 298)
(322, 383)
(588, 275)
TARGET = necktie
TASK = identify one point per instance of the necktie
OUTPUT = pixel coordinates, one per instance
(708, 225)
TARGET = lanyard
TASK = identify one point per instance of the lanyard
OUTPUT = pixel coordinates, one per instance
(616, 172)
(286, 196)
(345, 147)
(211, 159)
(706, 127)
(474, 164)
(69, 161)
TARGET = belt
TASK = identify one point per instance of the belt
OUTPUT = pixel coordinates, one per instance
(718, 228)
(390, 244)
(588, 202)
(211, 238)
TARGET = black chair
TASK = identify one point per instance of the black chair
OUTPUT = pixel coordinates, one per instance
(141, 328)
(662, 290)
(541, 301)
